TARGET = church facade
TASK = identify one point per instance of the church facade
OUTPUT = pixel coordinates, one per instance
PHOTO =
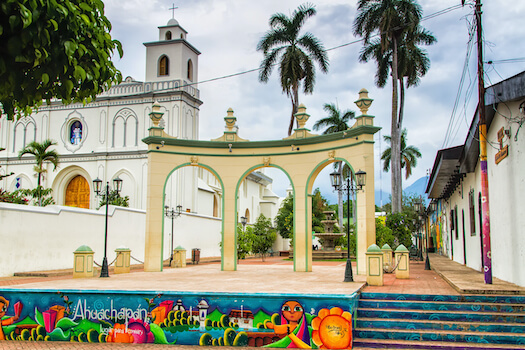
(102, 139)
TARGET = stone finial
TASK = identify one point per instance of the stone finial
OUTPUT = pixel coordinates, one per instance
(156, 114)
(364, 102)
(230, 119)
(301, 116)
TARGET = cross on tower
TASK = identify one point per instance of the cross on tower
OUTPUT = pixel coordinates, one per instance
(173, 10)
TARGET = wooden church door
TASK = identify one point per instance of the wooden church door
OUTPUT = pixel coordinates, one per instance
(77, 193)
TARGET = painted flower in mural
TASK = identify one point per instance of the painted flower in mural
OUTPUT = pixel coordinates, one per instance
(120, 334)
(332, 329)
(141, 331)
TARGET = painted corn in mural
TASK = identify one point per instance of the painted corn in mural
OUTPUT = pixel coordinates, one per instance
(293, 321)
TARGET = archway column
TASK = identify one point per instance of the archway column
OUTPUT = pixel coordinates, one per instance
(155, 213)
(229, 236)
(302, 229)
(366, 225)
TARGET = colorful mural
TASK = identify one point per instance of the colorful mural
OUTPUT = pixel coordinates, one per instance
(220, 319)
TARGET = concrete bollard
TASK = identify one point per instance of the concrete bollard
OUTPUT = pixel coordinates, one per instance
(387, 256)
(122, 264)
(179, 257)
(83, 262)
(374, 262)
(402, 261)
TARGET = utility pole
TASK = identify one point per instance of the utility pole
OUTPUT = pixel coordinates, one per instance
(487, 260)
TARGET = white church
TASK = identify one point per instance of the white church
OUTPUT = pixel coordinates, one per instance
(103, 140)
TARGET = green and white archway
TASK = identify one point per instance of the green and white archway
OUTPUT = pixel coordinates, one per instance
(301, 156)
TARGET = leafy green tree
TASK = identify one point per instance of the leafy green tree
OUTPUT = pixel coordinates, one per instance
(284, 218)
(383, 234)
(335, 122)
(409, 155)
(54, 49)
(294, 54)
(318, 208)
(399, 224)
(395, 21)
(263, 236)
(244, 241)
(114, 199)
(42, 154)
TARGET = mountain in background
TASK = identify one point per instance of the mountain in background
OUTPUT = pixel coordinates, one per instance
(417, 188)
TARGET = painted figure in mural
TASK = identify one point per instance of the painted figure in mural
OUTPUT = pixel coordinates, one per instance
(4, 305)
(293, 324)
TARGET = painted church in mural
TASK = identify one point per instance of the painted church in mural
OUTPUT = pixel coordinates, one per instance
(103, 139)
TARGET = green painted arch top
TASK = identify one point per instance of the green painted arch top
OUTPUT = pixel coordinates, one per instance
(401, 249)
(386, 247)
(374, 248)
(84, 248)
(179, 248)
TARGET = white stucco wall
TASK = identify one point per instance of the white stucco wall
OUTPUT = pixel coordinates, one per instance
(39, 239)
(507, 205)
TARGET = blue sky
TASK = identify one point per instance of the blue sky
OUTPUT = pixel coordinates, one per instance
(227, 32)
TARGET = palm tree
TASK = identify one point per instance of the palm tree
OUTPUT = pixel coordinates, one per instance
(295, 54)
(394, 21)
(409, 155)
(335, 122)
(42, 154)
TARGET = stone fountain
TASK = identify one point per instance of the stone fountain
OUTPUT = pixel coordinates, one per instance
(329, 236)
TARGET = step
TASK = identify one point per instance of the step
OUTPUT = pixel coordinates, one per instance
(476, 298)
(361, 344)
(441, 305)
(443, 336)
(471, 316)
(365, 322)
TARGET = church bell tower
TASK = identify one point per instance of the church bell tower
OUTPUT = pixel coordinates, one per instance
(172, 57)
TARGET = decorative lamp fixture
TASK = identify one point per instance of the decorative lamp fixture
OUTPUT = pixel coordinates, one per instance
(117, 184)
(361, 178)
(97, 185)
(244, 220)
(179, 209)
(335, 179)
(418, 204)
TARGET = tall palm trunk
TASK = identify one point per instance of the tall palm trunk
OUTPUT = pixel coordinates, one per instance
(395, 145)
(295, 106)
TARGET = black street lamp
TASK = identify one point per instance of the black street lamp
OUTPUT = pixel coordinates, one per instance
(172, 214)
(97, 185)
(349, 187)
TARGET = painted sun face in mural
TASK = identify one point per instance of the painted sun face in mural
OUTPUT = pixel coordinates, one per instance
(292, 311)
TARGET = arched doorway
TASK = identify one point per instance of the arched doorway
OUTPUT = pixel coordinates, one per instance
(77, 193)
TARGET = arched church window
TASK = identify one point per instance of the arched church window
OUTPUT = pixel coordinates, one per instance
(168, 35)
(75, 132)
(190, 70)
(164, 65)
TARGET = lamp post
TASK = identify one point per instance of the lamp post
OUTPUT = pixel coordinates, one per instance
(244, 220)
(418, 205)
(97, 185)
(172, 214)
(348, 187)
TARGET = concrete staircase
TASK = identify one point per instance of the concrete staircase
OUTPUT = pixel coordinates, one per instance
(410, 321)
